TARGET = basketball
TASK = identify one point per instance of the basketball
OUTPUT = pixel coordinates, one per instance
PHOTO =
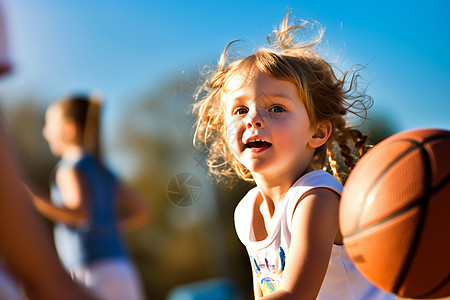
(395, 214)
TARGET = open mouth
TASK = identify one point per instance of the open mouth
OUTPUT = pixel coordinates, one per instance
(257, 144)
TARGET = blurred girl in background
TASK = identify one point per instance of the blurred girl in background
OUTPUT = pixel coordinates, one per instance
(85, 200)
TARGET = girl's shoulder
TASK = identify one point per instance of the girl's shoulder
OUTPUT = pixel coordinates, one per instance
(244, 212)
(82, 165)
(243, 215)
(72, 162)
(64, 167)
(309, 181)
(88, 164)
(316, 179)
(312, 180)
(245, 206)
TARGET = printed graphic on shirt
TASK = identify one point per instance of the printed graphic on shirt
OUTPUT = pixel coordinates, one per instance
(269, 273)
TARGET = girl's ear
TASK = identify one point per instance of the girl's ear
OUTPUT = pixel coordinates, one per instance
(70, 131)
(321, 134)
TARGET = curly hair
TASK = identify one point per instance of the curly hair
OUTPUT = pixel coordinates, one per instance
(325, 95)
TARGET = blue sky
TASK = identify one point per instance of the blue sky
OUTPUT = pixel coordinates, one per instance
(124, 47)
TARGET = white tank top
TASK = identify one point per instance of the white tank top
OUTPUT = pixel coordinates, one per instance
(342, 279)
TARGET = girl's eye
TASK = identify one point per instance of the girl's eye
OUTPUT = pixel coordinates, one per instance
(277, 109)
(240, 111)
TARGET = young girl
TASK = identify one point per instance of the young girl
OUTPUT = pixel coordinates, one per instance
(274, 118)
(84, 194)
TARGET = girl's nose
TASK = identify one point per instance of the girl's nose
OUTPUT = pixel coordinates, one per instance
(254, 120)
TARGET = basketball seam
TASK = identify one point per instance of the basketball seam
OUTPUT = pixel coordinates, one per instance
(402, 211)
(435, 189)
(436, 137)
(441, 184)
(416, 144)
(359, 229)
(446, 280)
(437, 288)
(419, 228)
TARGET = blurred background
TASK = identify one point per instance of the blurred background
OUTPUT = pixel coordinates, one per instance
(145, 57)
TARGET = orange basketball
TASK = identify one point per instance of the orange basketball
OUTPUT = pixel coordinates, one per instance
(395, 214)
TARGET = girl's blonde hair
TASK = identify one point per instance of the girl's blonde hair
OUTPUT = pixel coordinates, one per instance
(324, 94)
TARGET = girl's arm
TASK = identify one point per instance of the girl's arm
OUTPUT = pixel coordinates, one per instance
(314, 227)
(75, 212)
(135, 213)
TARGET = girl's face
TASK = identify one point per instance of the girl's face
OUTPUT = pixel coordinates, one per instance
(268, 128)
(55, 130)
